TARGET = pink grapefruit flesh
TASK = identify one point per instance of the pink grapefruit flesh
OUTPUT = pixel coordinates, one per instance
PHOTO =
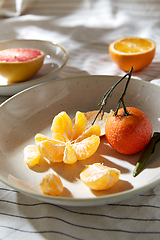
(20, 64)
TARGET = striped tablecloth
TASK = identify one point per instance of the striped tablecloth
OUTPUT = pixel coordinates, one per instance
(85, 28)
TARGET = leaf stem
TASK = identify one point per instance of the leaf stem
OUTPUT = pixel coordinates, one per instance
(109, 94)
(121, 100)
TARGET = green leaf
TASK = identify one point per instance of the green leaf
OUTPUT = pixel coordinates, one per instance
(148, 151)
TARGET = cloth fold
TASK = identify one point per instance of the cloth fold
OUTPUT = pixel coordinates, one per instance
(13, 8)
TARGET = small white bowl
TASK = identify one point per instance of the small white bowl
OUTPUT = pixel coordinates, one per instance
(56, 56)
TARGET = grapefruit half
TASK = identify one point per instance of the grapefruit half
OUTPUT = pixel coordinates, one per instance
(20, 64)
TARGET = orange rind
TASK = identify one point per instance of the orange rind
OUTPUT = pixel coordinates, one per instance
(129, 134)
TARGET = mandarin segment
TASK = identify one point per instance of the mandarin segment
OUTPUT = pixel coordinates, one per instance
(62, 127)
(52, 184)
(93, 130)
(99, 177)
(87, 147)
(40, 137)
(31, 155)
(50, 151)
(69, 154)
(79, 125)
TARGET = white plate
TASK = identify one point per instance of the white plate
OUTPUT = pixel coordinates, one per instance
(32, 111)
(56, 56)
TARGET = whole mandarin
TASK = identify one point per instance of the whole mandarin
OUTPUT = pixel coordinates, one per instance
(128, 134)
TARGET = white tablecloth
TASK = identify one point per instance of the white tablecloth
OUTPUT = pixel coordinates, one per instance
(85, 28)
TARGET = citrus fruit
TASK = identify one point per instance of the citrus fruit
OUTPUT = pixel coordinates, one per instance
(62, 127)
(31, 155)
(20, 64)
(69, 155)
(94, 129)
(128, 134)
(87, 147)
(70, 142)
(99, 177)
(132, 51)
(40, 137)
(52, 184)
(79, 125)
(50, 151)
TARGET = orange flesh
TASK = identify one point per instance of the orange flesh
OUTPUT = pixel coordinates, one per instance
(133, 46)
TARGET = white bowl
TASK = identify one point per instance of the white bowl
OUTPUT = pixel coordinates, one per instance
(32, 111)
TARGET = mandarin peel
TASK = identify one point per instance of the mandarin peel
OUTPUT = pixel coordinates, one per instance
(99, 121)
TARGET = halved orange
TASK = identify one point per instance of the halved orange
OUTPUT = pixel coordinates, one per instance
(132, 51)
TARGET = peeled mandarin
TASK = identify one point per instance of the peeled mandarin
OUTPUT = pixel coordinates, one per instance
(70, 142)
(99, 177)
(52, 184)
